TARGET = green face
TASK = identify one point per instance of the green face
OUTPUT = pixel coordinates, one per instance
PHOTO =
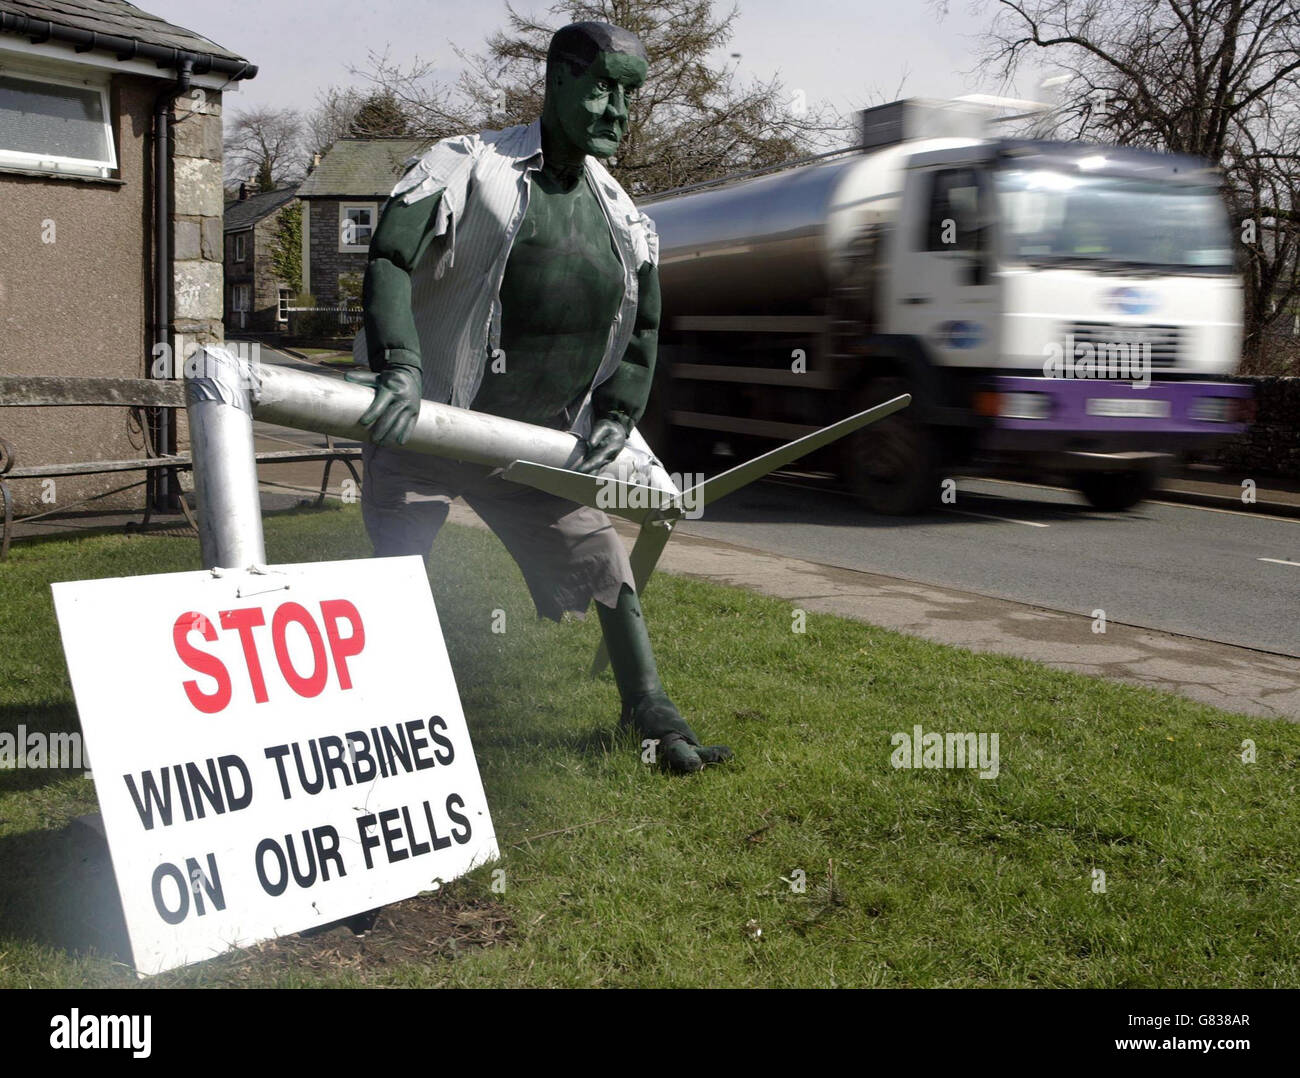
(592, 107)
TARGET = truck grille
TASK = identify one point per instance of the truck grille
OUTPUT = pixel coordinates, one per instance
(1165, 341)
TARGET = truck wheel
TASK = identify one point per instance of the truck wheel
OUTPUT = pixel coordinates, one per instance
(1116, 491)
(893, 465)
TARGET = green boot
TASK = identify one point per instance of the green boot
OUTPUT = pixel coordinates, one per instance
(646, 707)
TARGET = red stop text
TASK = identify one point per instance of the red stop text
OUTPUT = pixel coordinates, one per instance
(334, 637)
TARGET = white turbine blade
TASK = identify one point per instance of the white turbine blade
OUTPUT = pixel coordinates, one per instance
(654, 536)
(631, 501)
(743, 474)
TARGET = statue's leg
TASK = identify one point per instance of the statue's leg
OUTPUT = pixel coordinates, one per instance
(645, 704)
(403, 505)
(570, 555)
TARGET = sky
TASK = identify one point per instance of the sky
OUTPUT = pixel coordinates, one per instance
(850, 53)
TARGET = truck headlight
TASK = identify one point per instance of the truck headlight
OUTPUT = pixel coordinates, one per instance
(1024, 405)
(1217, 410)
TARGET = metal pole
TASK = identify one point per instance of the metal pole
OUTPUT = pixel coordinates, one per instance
(224, 392)
(225, 464)
(327, 405)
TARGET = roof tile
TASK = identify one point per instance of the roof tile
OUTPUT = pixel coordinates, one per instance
(356, 167)
(117, 17)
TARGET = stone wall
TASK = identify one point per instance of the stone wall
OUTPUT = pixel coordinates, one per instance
(258, 271)
(327, 261)
(266, 283)
(198, 208)
(1272, 445)
(198, 202)
(237, 273)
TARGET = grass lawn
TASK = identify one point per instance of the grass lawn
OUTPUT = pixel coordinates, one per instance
(334, 357)
(619, 875)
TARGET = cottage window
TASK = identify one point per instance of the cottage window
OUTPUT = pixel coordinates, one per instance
(356, 225)
(55, 125)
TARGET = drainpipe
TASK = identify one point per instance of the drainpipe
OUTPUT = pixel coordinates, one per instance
(165, 492)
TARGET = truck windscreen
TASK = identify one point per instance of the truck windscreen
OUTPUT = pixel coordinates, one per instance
(1053, 218)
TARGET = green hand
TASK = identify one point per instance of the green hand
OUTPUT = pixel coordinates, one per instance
(392, 414)
(608, 436)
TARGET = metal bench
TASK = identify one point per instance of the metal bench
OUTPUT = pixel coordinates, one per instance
(61, 392)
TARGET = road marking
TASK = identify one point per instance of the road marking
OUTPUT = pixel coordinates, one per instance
(1258, 514)
(1155, 499)
(1005, 520)
(1279, 561)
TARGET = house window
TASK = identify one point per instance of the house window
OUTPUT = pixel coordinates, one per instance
(241, 246)
(282, 311)
(55, 125)
(356, 225)
(241, 302)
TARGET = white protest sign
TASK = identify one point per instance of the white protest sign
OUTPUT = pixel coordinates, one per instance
(272, 751)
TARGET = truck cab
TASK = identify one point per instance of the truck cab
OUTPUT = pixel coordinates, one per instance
(1059, 310)
(1084, 298)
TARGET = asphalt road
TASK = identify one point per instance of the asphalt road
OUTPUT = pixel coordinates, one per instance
(1207, 573)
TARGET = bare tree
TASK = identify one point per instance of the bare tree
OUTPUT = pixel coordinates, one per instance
(431, 109)
(332, 118)
(266, 145)
(1219, 79)
(692, 121)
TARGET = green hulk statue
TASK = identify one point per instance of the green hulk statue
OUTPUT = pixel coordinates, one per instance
(512, 275)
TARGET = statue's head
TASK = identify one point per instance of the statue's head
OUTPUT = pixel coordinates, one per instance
(591, 68)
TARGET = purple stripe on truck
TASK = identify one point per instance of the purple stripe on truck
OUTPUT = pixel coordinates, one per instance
(1070, 397)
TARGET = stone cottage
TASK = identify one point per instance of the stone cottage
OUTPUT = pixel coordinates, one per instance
(342, 199)
(257, 298)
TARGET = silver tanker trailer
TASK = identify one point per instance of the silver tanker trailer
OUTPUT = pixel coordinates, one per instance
(1057, 309)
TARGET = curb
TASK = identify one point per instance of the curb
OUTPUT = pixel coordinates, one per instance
(1226, 502)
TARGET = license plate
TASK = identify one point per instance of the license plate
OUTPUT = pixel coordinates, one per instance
(1126, 408)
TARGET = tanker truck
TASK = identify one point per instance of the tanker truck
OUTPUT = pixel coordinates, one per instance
(1058, 311)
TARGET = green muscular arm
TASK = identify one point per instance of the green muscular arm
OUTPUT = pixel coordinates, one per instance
(619, 403)
(392, 342)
